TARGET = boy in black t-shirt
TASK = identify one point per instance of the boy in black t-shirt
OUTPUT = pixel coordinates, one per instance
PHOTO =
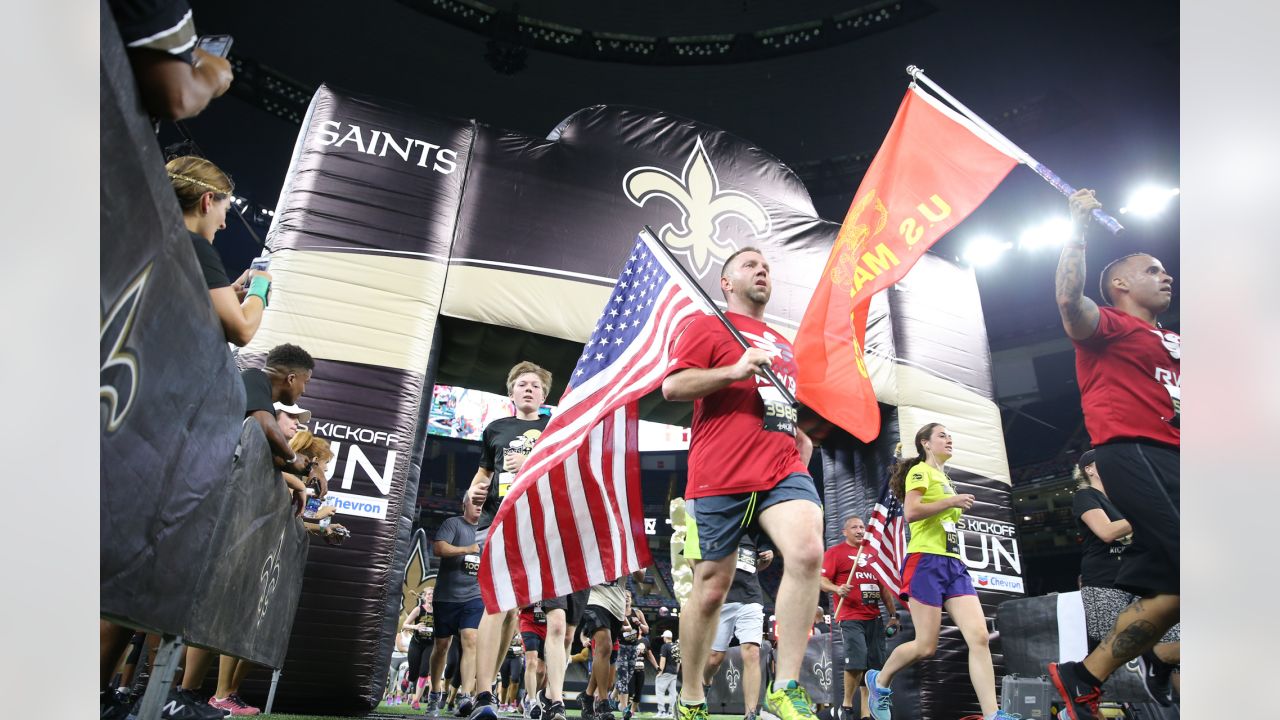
(505, 445)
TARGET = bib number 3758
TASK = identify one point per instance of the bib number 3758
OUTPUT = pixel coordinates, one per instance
(779, 415)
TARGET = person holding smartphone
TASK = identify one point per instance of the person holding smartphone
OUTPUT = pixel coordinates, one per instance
(204, 194)
(176, 78)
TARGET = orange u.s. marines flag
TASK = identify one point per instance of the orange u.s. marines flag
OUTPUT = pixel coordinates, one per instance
(933, 169)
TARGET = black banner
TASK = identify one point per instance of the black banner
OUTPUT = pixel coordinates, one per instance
(171, 399)
(249, 590)
(1037, 631)
(726, 695)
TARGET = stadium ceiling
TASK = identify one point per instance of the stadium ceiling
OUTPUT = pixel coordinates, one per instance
(710, 33)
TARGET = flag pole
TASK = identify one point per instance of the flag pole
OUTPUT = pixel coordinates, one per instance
(852, 570)
(1063, 186)
(768, 371)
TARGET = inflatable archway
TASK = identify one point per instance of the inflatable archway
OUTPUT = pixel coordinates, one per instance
(409, 249)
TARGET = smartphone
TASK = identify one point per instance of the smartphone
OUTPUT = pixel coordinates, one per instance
(219, 45)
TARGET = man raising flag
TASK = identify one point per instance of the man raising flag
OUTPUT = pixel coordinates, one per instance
(934, 168)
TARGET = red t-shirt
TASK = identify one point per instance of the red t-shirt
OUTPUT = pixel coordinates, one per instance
(533, 620)
(1130, 380)
(863, 601)
(730, 451)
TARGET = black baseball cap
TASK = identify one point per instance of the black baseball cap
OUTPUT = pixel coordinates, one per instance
(1085, 460)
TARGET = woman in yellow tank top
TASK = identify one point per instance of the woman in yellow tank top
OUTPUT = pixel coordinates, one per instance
(934, 576)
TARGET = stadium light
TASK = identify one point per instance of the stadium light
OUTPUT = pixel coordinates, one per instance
(1149, 200)
(985, 250)
(1050, 233)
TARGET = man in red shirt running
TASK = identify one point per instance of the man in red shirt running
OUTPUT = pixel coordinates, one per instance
(858, 593)
(748, 470)
(1128, 368)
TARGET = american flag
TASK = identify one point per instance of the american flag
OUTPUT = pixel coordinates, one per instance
(573, 517)
(886, 540)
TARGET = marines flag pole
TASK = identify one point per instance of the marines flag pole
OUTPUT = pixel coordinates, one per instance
(933, 169)
(573, 517)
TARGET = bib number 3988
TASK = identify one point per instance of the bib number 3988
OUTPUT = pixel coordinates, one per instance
(779, 415)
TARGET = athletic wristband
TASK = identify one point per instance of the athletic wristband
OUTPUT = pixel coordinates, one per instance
(258, 287)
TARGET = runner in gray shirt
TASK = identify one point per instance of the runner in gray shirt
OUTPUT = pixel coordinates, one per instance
(458, 607)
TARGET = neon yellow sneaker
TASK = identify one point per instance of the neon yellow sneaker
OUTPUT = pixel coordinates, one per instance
(787, 703)
(691, 712)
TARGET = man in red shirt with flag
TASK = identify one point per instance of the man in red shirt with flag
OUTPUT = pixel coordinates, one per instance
(748, 469)
(857, 592)
(1128, 368)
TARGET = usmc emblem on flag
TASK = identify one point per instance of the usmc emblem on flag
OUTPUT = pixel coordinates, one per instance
(702, 203)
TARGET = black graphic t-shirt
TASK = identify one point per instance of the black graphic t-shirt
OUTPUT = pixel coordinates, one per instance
(670, 651)
(502, 436)
(1100, 561)
(746, 578)
(427, 619)
(630, 630)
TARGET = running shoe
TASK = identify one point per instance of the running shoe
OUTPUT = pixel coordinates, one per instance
(466, 704)
(184, 705)
(691, 712)
(1081, 697)
(551, 709)
(1000, 715)
(1156, 675)
(233, 705)
(751, 716)
(588, 705)
(433, 705)
(112, 706)
(790, 702)
(483, 707)
(879, 700)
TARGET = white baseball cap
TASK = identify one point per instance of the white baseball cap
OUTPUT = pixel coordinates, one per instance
(667, 634)
(304, 416)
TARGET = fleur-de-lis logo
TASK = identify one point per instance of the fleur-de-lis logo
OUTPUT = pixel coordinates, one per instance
(417, 576)
(822, 670)
(732, 676)
(118, 367)
(702, 206)
(269, 578)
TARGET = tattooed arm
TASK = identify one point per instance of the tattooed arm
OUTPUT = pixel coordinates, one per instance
(1079, 313)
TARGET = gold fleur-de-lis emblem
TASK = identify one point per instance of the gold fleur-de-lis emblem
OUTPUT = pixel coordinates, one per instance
(703, 204)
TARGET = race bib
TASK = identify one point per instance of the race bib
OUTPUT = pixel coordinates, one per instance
(471, 564)
(953, 536)
(629, 635)
(747, 560)
(779, 415)
(427, 620)
(505, 479)
(870, 594)
(539, 615)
